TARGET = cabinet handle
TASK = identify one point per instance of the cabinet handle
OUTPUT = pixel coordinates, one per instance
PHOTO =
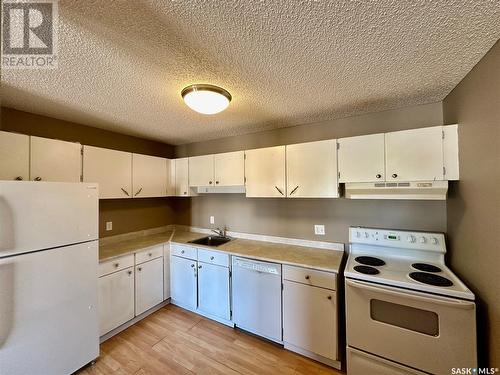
(18, 178)
(138, 192)
(126, 192)
(185, 192)
(210, 182)
(211, 258)
(329, 297)
(394, 175)
(182, 251)
(38, 179)
(129, 272)
(294, 190)
(192, 265)
(139, 269)
(217, 182)
(277, 188)
(199, 266)
(150, 254)
(378, 175)
(117, 265)
(308, 277)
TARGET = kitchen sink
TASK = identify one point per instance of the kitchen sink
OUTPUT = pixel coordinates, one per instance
(211, 240)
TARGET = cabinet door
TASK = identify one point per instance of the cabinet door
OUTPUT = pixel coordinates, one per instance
(310, 318)
(201, 170)
(183, 276)
(265, 172)
(148, 285)
(54, 160)
(166, 271)
(213, 290)
(361, 159)
(170, 164)
(116, 299)
(414, 155)
(111, 169)
(230, 169)
(181, 177)
(312, 170)
(149, 176)
(14, 156)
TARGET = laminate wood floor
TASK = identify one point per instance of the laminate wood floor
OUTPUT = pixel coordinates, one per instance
(176, 341)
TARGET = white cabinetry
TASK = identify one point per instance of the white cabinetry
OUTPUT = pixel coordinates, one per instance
(14, 156)
(414, 155)
(149, 176)
(54, 160)
(362, 159)
(312, 170)
(183, 282)
(265, 172)
(213, 290)
(229, 169)
(201, 170)
(170, 164)
(148, 284)
(116, 299)
(310, 314)
(182, 177)
(111, 169)
(166, 271)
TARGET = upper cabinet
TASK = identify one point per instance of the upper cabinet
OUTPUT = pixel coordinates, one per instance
(414, 155)
(54, 160)
(311, 170)
(170, 164)
(14, 156)
(182, 177)
(229, 169)
(111, 169)
(201, 170)
(265, 172)
(149, 176)
(226, 169)
(362, 159)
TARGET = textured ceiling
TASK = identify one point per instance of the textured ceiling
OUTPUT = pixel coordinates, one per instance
(122, 64)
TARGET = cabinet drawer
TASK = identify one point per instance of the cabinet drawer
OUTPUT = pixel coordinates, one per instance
(149, 254)
(310, 277)
(116, 264)
(213, 257)
(183, 251)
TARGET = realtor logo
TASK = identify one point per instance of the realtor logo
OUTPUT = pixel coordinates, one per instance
(29, 34)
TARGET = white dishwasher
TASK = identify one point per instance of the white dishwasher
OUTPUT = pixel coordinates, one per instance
(257, 297)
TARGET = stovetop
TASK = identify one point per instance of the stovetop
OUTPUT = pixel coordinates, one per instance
(411, 260)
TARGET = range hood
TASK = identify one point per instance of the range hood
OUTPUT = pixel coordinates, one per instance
(421, 190)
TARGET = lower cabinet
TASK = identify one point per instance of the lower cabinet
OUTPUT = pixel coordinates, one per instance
(183, 283)
(166, 271)
(148, 285)
(116, 299)
(213, 290)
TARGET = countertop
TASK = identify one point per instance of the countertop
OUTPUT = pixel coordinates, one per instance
(309, 257)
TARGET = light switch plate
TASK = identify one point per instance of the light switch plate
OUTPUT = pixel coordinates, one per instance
(319, 230)
(109, 225)
(212, 220)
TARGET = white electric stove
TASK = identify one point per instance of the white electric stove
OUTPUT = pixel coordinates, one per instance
(406, 312)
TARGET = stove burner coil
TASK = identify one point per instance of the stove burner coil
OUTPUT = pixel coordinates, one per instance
(426, 267)
(366, 270)
(430, 279)
(369, 261)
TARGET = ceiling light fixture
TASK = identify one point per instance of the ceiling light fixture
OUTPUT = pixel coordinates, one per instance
(206, 99)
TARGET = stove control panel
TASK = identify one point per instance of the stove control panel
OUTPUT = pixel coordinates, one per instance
(398, 238)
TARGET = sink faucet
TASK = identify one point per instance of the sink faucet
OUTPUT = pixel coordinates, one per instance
(220, 232)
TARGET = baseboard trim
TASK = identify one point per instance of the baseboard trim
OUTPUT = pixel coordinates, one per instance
(131, 322)
(327, 361)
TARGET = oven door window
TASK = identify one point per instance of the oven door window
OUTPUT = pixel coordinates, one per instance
(418, 320)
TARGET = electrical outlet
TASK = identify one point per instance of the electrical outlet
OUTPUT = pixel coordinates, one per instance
(319, 230)
(109, 225)
(212, 220)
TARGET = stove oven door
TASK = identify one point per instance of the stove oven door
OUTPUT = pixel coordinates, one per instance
(427, 332)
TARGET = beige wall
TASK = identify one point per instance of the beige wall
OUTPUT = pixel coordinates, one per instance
(296, 217)
(126, 214)
(474, 206)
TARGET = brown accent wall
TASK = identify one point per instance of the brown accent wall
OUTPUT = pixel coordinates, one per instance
(296, 217)
(127, 215)
(474, 204)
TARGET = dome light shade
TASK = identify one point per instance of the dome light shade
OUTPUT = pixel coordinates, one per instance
(206, 99)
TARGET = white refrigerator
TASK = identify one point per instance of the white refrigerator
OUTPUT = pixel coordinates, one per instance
(48, 277)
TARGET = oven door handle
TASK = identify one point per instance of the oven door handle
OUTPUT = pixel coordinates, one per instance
(412, 295)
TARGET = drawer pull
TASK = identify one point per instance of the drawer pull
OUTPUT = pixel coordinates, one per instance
(199, 266)
(307, 277)
(192, 265)
(129, 272)
(329, 297)
(18, 178)
(117, 265)
(139, 269)
(211, 258)
(37, 179)
(182, 251)
(150, 254)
